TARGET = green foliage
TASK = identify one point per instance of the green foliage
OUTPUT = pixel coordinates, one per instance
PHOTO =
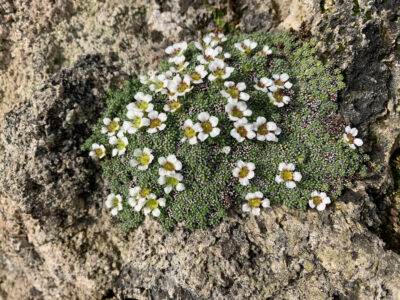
(308, 139)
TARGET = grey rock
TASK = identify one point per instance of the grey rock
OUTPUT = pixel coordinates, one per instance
(60, 243)
(44, 168)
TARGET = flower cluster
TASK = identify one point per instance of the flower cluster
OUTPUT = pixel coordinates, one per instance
(169, 175)
(204, 97)
(144, 199)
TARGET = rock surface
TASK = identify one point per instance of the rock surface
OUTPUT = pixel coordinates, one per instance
(58, 241)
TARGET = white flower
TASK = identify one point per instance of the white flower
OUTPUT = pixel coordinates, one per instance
(254, 202)
(190, 131)
(266, 131)
(98, 151)
(265, 51)
(207, 127)
(172, 105)
(175, 50)
(244, 171)
(237, 110)
(226, 150)
(179, 86)
(137, 121)
(234, 91)
(246, 46)
(350, 137)
(142, 104)
(152, 205)
(169, 165)
(219, 70)
(168, 75)
(145, 79)
(207, 42)
(287, 175)
(172, 95)
(219, 37)
(278, 98)
(226, 55)
(156, 121)
(143, 158)
(180, 65)
(157, 83)
(243, 129)
(319, 200)
(171, 181)
(198, 74)
(115, 203)
(120, 141)
(138, 197)
(209, 55)
(111, 126)
(262, 84)
(280, 82)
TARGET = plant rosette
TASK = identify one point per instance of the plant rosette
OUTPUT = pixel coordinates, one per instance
(227, 122)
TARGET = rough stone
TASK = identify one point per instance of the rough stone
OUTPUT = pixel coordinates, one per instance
(59, 242)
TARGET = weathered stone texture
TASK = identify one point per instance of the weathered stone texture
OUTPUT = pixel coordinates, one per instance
(57, 59)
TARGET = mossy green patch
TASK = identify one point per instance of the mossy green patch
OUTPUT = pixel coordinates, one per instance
(307, 140)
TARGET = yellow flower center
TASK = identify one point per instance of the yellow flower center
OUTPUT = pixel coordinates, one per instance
(236, 112)
(262, 129)
(155, 123)
(144, 159)
(183, 86)
(99, 152)
(120, 144)
(136, 121)
(159, 85)
(219, 73)
(113, 126)
(207, 127)
(176, 52)
(195, 76)
(181, 67)
(260, 84)
(351, 139)
(317, 200)
(287, 175)
(242, 131)
(169, 166)
(115, 202)
(152, 204)
(172, 181)
(255, 202)
(189, 132)
(233, 91)
(278, 96)
(174, 105)
(144, 193)
(244, 172)
(247, 49)
(143, 105)
(279, 82)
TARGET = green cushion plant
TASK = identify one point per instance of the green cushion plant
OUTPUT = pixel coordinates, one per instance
(240, 122)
